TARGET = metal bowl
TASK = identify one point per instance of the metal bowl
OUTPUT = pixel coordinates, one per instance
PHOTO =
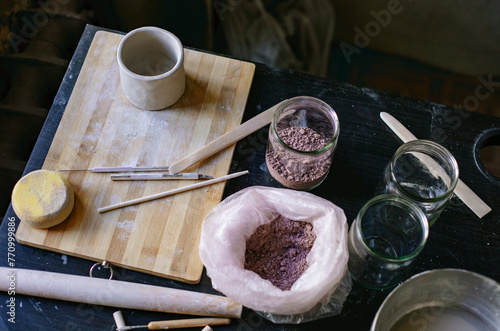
(440, 300)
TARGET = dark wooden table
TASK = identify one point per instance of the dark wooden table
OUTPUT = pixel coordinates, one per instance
(458, 239)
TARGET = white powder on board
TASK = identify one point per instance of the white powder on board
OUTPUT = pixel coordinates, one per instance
(127, 225)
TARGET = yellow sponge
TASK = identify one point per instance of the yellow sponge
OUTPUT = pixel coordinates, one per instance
(43, 198)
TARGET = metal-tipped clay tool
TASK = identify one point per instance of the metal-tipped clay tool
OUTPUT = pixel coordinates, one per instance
(121, 169)
(160, 176)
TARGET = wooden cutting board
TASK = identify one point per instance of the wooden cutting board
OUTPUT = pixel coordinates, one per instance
(101, 128)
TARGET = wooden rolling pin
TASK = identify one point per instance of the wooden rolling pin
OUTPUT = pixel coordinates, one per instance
(98, 291)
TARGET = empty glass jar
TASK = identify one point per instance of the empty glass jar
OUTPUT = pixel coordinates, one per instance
(387, 235)
(424, 172)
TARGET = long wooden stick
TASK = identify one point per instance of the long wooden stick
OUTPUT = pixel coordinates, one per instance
(226, 139)
(171, 192)
(114, 293)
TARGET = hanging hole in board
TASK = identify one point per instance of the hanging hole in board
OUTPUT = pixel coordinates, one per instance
(101, 268)
(488, 155)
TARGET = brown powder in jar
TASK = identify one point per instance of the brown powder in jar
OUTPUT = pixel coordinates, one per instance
(277, 251)
(298, 174)
(302, 138)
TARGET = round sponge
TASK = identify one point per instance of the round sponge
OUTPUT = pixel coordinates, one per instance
(43, 198)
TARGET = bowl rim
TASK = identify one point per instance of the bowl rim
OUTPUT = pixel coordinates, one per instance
(175, 41)
(428, 273)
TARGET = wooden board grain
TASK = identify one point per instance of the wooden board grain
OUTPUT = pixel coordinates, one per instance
(101, 128)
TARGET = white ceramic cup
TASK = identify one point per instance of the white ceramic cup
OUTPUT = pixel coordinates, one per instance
(151, 62)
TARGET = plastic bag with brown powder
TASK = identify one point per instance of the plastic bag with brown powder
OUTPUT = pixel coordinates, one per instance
(313, 284)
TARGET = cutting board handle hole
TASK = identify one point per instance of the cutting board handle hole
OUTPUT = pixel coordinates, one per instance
(487, 155)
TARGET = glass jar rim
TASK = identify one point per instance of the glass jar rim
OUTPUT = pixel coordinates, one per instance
(323, 105)
(394, 199)
(438, 150)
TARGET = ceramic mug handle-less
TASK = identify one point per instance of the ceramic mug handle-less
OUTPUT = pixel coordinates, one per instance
(151, 62)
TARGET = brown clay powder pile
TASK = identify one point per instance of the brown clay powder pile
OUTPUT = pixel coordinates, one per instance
(298, 174)
(302, 139)
(277, 251)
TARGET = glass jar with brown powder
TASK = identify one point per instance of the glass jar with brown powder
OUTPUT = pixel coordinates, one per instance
(302, 139)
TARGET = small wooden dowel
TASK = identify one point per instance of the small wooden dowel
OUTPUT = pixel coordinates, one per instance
(187, 323)
(171, 192)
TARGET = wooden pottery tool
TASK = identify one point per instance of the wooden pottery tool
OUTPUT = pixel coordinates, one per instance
(178, 324)
(98, 291)
(171, 324)
(172, 192)
(462, 191)
(225, 140)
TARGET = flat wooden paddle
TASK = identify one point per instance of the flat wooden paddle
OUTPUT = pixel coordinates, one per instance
(225, 140)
